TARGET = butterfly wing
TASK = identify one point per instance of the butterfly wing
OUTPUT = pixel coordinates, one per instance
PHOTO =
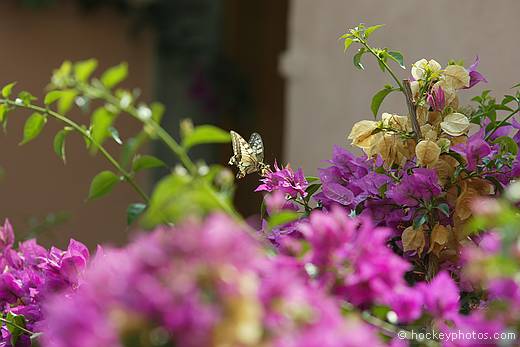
(244, 156)
(257, 145)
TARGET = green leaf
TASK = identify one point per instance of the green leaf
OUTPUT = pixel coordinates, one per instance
(311, 189)
(7, 90)
(3, 112)
(357, 59)
(205, 134)
(157, 111)
(114, 75)
(33, 127)
(283, 217)
(58, 143)
(397, 57)
(370, 30)
(101, 121)
(178, 196)
(419, 220)
(378, 98)
(348, 41)
(507, 144)
(102, 184)
(516, 86)
(26, 97)
(444, 208)
(51, 97)
(310, 179)
(83, 69)
(66, 100)
(133, 212)
(16, 332)
(142, 162)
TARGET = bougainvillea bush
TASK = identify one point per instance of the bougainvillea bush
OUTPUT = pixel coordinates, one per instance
(413, 243)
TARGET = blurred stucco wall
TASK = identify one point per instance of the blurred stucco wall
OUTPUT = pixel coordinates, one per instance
(326, 94)
(36, 183)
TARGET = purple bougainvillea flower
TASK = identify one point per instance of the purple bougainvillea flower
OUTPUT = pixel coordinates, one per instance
(436, 99)
(407, 303)
(350, 180)
(474, 149)
(505, 288)
(6, 235)
(422, 184)
(276, 202)
(285, 180)
(516, 125)
(441, 296)
(473, 328)
(202, 284)
(339, 242)
(475, 76)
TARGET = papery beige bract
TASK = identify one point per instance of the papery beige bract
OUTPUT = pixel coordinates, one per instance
(413, 239)
(361, 133)
(427, 152)
(463, 204)
(429, 132)
(394, 150)
(422, 114)
(434, 118)
(396, 122)
(455, 124)
(438, 239)
(456, 77)
(444, 168)
(420, 68)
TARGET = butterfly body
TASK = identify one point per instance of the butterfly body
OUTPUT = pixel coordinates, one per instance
(248, 156)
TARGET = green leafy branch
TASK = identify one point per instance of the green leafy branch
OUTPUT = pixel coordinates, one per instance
(35, 123)
(16, 326)
(360, 35)
(189, 189)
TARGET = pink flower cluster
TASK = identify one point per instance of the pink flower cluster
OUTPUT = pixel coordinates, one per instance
(209, 284)
(32, 273)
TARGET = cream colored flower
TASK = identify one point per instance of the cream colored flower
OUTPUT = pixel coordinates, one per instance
(393, 149)
(428, 132)
(434, 118)
(422, 67)
(444, 169)
(413, 239)
(396, 122)
(414, 87)
(422, 115)
(455, 124)
(427, 152)
(456, 76)
(438, 239)
(361, 134)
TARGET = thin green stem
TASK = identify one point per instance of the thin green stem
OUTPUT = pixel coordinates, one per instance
(127, 176)
(502, 123)
(6, 321)
(390, 71)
